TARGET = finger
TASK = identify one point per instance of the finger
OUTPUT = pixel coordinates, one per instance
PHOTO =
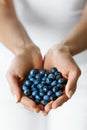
(41, 107)
(29, 104)
(38, 62)
(48, 107)
(59, 101)
(14, 87)
(71, 84)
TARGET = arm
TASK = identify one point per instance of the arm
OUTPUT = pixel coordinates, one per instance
(76, 41)
(27, 54)
(12, 32)
(60, 56)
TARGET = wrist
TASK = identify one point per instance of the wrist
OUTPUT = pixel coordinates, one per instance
(62, 48)
(6, 2)
(22, 47)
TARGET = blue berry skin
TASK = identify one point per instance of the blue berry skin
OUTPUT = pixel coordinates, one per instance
(42, 72)
(31, 97)
(46, 74)
(61, 86)
(34, 93)
(54, 83)
(27, 92)
(48, 81)
(40, 86)
(45, 89)
(38, 76)
(57, 73)
(49, 93)
(33, 72)
(53, 70)
(44, 102)
(37, 97)
(43, 82)
(55, 88)
(59, 93)
(27, 83)
(52, 97)
(51, 76)
(36, 82)
(61, 80)
(34, 89)
(24, 87)
(42, 94)
(46, 97)
(58, 77)
(44, 79)
(37, 101)
(32, 79)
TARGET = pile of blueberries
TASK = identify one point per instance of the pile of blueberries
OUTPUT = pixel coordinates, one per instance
(42, 86)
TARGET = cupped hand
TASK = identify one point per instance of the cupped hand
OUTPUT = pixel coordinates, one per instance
(28, 59)
(59, 57)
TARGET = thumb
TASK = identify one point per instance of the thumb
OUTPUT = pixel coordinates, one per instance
(71, 85)
(14, 87)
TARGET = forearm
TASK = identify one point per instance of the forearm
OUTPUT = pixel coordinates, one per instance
(12, 33)
(76, 41)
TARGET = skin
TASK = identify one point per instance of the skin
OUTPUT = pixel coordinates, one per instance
(28, 56)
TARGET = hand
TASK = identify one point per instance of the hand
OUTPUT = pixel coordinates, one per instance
(28, 59)
(60, 58)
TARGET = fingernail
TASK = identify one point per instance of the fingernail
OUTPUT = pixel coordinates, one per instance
(16, 99)
(70, 94)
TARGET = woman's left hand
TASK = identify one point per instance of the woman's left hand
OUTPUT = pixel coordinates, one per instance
(60, 58)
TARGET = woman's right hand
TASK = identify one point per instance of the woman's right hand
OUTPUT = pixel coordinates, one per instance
(28, 59)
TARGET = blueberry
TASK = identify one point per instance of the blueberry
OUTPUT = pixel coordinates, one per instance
(53, 70)
(57, 73)
(42, 94)
(36, 82)
(34, 89)
(40, 86)
(59, 93)
(27, 82)
(54, 83)
(49, 93)
(55, 88)
(24, 87)
(61, 86)
(38, 76)
(43, 82)
(44, 79)
(27, 92)
(48, 81)
(46, 97)
(45, 89)
(37, 101)
(42, 72)
(51, 76)
(46, 74)
(61, 80)
(58, 77)
(33, 72)
(52, 97)
(44, 102)
(32, 79)
(34, 93)
(31, 97)
(37, 97)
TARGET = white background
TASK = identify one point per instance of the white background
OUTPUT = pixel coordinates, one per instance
(47, 23)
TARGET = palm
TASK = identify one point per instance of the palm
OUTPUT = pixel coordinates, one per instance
(18, 71)
(66, 65)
